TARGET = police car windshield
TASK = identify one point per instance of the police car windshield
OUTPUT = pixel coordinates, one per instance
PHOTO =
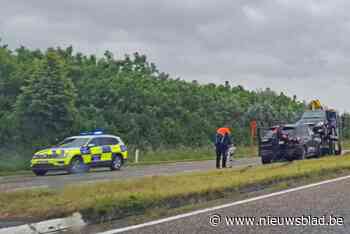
(73, 142)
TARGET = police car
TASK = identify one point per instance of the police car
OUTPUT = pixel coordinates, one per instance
(79, 153)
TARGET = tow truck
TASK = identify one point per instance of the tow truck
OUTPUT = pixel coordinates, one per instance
(326, 124)
(316, 133)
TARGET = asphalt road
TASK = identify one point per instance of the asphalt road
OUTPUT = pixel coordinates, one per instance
(322, 200)
(58, 180)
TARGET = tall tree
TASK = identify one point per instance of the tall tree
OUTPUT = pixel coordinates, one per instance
(46, 108)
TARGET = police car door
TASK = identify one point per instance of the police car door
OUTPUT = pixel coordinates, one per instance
(106, 143)
(95, 150)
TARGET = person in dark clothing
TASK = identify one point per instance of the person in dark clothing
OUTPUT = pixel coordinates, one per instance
(222, 144)
(218, 140)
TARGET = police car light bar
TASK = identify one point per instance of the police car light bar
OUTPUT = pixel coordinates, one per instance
(96, 132)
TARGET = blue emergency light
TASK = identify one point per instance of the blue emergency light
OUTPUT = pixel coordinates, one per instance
(95, 132)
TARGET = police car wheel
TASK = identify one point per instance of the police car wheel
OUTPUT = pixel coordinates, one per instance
(40, 172)
(116, 163)
(77, 166)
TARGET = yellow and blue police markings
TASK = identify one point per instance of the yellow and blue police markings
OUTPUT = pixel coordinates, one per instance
(80, 153)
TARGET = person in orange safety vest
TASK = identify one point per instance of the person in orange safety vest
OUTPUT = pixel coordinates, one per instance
(222, 144)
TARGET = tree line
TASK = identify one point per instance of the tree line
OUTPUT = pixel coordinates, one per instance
(48, 95)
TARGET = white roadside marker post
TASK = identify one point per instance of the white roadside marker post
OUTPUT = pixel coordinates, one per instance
(137, 152)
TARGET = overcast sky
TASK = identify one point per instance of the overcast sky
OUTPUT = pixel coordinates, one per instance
(300, 47)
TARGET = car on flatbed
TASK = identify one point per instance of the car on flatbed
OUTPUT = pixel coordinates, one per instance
(328, 126)
(288, 142)
(80, 153)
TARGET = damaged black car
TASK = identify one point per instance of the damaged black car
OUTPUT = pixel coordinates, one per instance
(288, 142)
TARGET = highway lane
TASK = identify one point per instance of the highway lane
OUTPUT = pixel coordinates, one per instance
(58, 180)
(325, 200)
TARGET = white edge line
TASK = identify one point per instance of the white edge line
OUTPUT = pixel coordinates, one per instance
(172, 218)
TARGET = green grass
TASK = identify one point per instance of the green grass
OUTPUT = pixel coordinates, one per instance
(13, 164)
(117, 199)
(346, 144)
(16, 172)
(187, 154)
(12, 161)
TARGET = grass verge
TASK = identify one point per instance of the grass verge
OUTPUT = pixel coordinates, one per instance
(16, 165)
(114, 200)
(188, 154)
(16, 172)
